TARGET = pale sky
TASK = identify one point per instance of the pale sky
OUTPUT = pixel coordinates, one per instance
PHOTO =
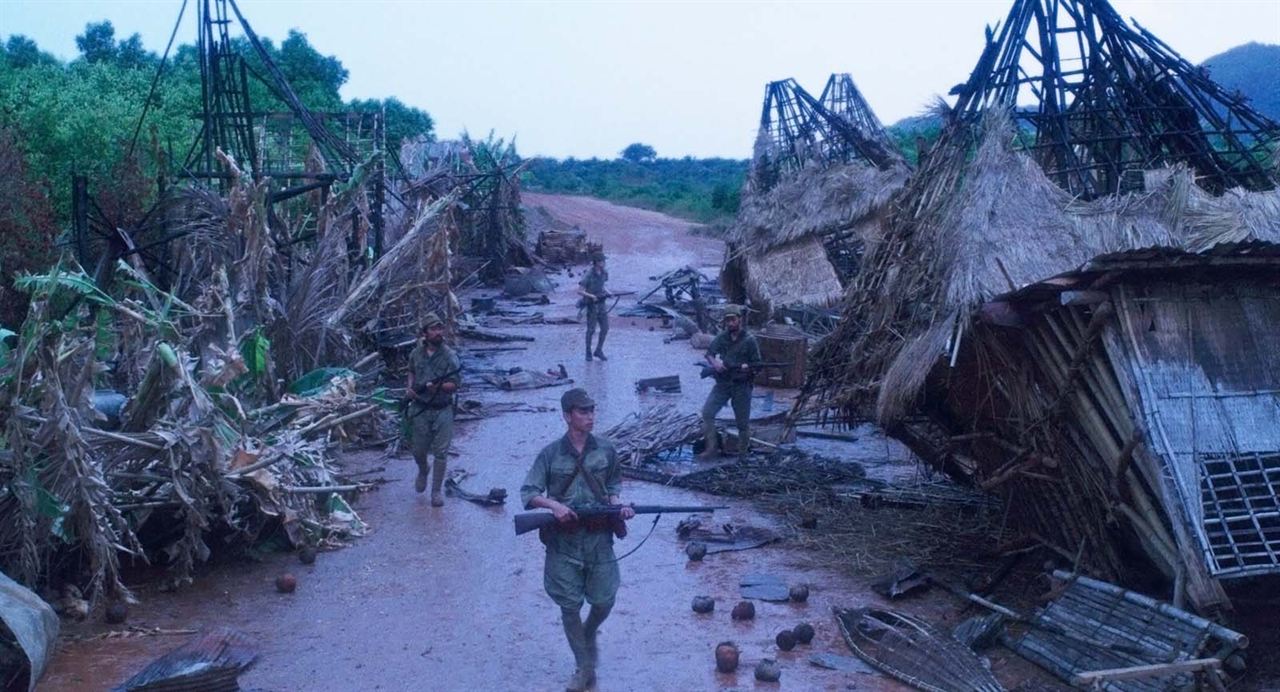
(587, 78)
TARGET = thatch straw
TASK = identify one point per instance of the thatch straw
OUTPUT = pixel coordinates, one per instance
(971, 228)
(814, 201)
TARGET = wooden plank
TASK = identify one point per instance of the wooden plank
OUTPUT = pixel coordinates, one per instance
(1147, 671)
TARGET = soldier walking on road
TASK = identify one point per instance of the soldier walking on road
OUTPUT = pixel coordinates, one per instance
(734, 355)
(433, 378)
(576, 470)
(593, 293)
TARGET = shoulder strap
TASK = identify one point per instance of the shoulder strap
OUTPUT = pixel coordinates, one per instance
(592, 483)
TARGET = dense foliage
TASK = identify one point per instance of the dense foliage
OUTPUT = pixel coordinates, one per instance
(705, 190)
(82, 117)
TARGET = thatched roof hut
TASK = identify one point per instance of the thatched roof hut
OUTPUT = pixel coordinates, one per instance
(816, 196)
(1100, 363)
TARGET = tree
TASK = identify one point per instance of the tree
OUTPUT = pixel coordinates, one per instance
(98, 42)
(400, 121)
(639, 153)
(130, 53)
(314, 77)
(20, 51)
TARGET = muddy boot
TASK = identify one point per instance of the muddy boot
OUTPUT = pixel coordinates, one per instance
(590, 630)
(581, 681)
(600, 354)
(420, 483)
(437, 479)
(585, 675)
(709, 452)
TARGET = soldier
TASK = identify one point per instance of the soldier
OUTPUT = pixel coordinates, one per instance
(593, 293)
(433, 378)
(575, 470)
(734, 355)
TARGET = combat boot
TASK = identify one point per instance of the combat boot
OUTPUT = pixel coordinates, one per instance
(420, 483)
(438, 467)
(582, 680)
(709, 452)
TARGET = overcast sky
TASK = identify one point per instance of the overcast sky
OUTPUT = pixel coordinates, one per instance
(586, 78)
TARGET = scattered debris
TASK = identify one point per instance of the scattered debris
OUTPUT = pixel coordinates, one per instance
(927, 493)
(668, 384)
(798, 593)
(980, 632)
(453, 488)
(1094, 626)
(652, 430)
(911, 651)
(116, 613)
(517, 378)
(768, 670)
(785, 640)
(307, 555)
(211, 661)
(695, 551)
(566, 247)
(745, 610)
(286, 583)
(703, 604)
(844, 664)
(764, 587)
(30, 626)
(727, 655)
(726, 537)
(804, 633)
(781, 471)
(523, 281)
(905, 579)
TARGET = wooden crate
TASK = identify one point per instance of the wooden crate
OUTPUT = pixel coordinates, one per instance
(781, 343)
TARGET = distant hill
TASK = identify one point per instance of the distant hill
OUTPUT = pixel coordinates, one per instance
(1254, 70)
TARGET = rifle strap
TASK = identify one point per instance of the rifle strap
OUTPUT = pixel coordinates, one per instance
(592, 483)
(652, 526)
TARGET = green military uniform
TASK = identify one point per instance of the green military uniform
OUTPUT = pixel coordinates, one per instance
(733, 386)
(431, 414)
(580, 564)
(597, 313)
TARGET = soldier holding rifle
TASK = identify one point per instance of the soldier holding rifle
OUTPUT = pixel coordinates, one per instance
(734, 356)
(579, 469)
(433, 379)
(593, 293)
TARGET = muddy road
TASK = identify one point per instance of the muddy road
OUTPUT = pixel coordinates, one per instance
(450, 599)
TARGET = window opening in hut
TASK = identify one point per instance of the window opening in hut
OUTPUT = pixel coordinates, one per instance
(1241, 510)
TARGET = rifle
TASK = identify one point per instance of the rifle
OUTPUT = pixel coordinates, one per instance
(529, 521)
(418, 390)
(708, 371)
(584, 301)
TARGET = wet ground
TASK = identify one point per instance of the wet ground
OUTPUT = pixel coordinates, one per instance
(450, 599)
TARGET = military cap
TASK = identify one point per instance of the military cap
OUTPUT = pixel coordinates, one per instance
(576, 398)
(431, 320)
(733, 310)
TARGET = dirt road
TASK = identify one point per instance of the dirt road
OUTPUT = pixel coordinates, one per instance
(450, 599)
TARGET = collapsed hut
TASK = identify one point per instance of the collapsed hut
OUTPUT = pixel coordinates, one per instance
(1075, 306)
(187, 385)
(822, 173)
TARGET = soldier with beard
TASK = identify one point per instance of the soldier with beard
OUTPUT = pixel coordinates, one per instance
(433, 378)
(733, 356)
